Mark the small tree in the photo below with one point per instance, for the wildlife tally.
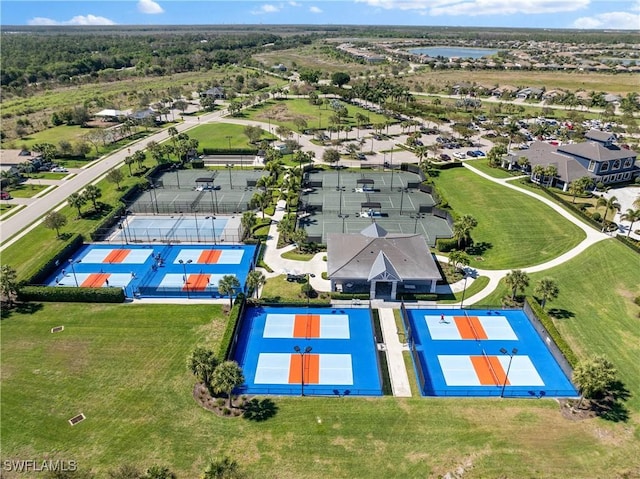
(517, 280)
(115, 176)
(594, 376)
(255, 279)
(227, 376)
(248, 222)
(8, 283)
(547, 289)
(222, 468)
(77, 201)
(129, 160)
(159, 472)
(228, 285)
(202, 363)
(331, 155)
(54, 221)
(92, 193)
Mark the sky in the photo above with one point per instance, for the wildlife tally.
(574, 14)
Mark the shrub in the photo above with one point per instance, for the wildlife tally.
(596, 216)
(229, 332)
(445, 245)
(51, 264)
(71, 295)
(547, 322)
(418, 296)
(197, 164)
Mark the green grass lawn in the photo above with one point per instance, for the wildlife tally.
(595, 307)
(26, 190)
(517, 229)
(47, 175)
(54, 135)
(140, 411)
(215, 135)
(483, 165)
(283, 112)
(478, 285)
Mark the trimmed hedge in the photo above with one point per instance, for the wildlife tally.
(50, 266)
(547, 322)
(101, 230)
(290, 302)
(418, 296)
(347, 296)
(445, 245)
(230, 330)
(634, 245)
(71, 295)
(227, 151)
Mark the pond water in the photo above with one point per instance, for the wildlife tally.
(454, 52)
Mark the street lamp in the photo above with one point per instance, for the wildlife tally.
(343, 218)
(228, 137)
(213, 228)
(184, 269)
(302, 353)
(195, 215)
(402, 191)
(341, 189)
(514, 351)
(73, 270)
(417, 216)
(229, 167)
(214, 205)
(391, 166)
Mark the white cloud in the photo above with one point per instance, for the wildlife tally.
(149, 7)
(77, 20)
(295, 4)
(267, 8)
(480, 7)
(635, 7)
(611, 20)
(315, 10)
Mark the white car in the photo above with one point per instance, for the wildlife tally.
(459, 155)
(59, 169)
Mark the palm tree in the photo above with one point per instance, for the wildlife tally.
(248, 221)
(128, 160)
(537, 173)
(632, 216)
(228, 285)
(202, 363)
(547, 288)
(462, 228)
(551, 171)
(458, 258)
(227, 376)
(255, 280)
(610, 203)
(77, 200)
(92, 193)
(516, 280)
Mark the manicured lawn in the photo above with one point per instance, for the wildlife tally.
(596, 309)
(215, 135)
(283, 112)
(140, 411)
(55, 134)
(483, 165)
(478, 285)
(517, 230)
(46, 175)
(26, 191)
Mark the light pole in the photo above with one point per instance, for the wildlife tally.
(229, 167)
(177, 177)
(341, 189)
(391, 166)
(344, 217)
(214, 205)
(228, 137)
(464, 290)
(402, 192)
(302, 353)
(417, 216)
(184, 269)
(73, 270)
(513, 352)
(195, 215)
(213, 228)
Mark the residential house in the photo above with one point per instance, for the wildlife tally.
(217, 93)
(380, 263)
(530, 92)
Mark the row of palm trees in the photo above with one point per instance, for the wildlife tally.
(546, 289)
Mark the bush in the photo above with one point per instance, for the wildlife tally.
(547, 322)
(347, 296)
(446, 245)
(101, 230)
(596, 216)
(418, 296)
(197, 164)
(71, 295)
(48, 268)
(230, 330)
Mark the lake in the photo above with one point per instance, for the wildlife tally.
(454, 52)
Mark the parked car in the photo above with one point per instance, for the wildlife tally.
(59, 169)
(471, 154)
(445, 157)
(459, 155)
(361, 156)
(479, 153)
(5, 196)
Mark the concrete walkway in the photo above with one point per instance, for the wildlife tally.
(395, 361)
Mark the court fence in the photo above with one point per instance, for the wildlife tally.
(309, 390)
(377, 340)
(406, 321)
(497, 392)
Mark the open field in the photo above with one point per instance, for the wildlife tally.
(25, 190)
(595, 307)
(283, 112)
(139, 410)
(516, 230)
(620, 84)
(214, 135)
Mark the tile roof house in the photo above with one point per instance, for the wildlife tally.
(598, 158)
(216, 93)
(380, 263)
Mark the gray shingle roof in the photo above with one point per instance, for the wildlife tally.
(406, 257)
(599, 135)
(595, 151)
